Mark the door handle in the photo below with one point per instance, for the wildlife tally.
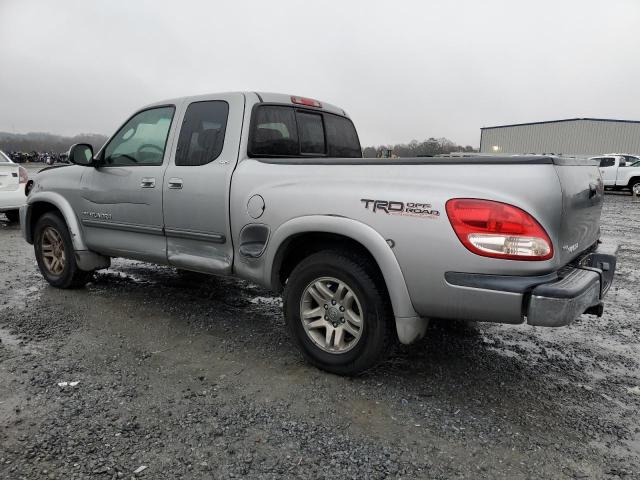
(148, 182)
(175, 183)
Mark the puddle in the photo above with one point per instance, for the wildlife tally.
(7, 338)
(19, 297)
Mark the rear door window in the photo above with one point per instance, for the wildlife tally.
(607, 162)
(202, 134)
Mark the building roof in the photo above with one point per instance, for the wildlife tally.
(563, 120)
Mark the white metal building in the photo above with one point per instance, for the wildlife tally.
(573, 136)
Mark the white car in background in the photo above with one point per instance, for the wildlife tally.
(13, 179)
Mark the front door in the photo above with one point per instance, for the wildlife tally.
(196, 185)
(122, 198)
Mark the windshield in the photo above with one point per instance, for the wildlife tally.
(4, 158)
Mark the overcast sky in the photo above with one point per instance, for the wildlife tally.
(402, 69)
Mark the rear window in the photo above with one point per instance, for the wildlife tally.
(283, 131)
(342, 137)
(311, 133)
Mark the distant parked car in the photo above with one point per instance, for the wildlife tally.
(13, 179)
(617, 174)
(626, 160)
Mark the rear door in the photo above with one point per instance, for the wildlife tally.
(608, 170)
(196, 184)
(121, 211)
(9, 175)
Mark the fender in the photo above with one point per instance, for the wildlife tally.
(409, 325)
(65, 209)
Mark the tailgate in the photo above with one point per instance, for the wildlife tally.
(582, 198)
(9, 177)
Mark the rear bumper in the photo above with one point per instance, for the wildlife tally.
(550, 300)
(581, 289)
(13, 199)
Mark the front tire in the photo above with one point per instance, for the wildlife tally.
(338, 313)
(55, 254)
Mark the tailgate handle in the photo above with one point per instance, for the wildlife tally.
(593, 190)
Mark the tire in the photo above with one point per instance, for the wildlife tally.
(51, 236)
(375, 336)
(634, 186)
(13, 216)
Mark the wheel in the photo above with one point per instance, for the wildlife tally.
(55, 255)
(338, 313)
(13, 216)
(635, 188)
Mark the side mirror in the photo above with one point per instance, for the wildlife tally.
(81, 154)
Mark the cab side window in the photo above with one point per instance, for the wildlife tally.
(275, 132)
(607, 162)
(142, 140)
(284, 131)
(202, 134)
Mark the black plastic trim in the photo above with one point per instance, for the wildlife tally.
(522, 160)
(193, 235)
(573, 285)
(504, 283)
(125, 227)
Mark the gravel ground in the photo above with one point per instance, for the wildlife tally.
(196, 378)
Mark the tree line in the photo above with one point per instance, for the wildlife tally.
(429, 147)
(46, 142)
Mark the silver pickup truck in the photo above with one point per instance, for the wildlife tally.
(273, 189)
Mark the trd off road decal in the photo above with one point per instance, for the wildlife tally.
(411, 209)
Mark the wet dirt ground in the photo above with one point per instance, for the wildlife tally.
(196, 378)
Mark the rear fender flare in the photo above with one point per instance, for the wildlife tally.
(358, 231)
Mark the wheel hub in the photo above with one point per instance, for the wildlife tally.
(334, 315)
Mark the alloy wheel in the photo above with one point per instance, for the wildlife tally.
(52, 248)
(332, 315)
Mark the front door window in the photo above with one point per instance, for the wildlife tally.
(142, 140)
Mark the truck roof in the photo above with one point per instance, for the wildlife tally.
(262, 97)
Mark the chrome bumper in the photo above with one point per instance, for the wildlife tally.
(581, 289)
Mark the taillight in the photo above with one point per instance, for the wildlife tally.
(498, 230)
(24, 176)
(309, 102)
